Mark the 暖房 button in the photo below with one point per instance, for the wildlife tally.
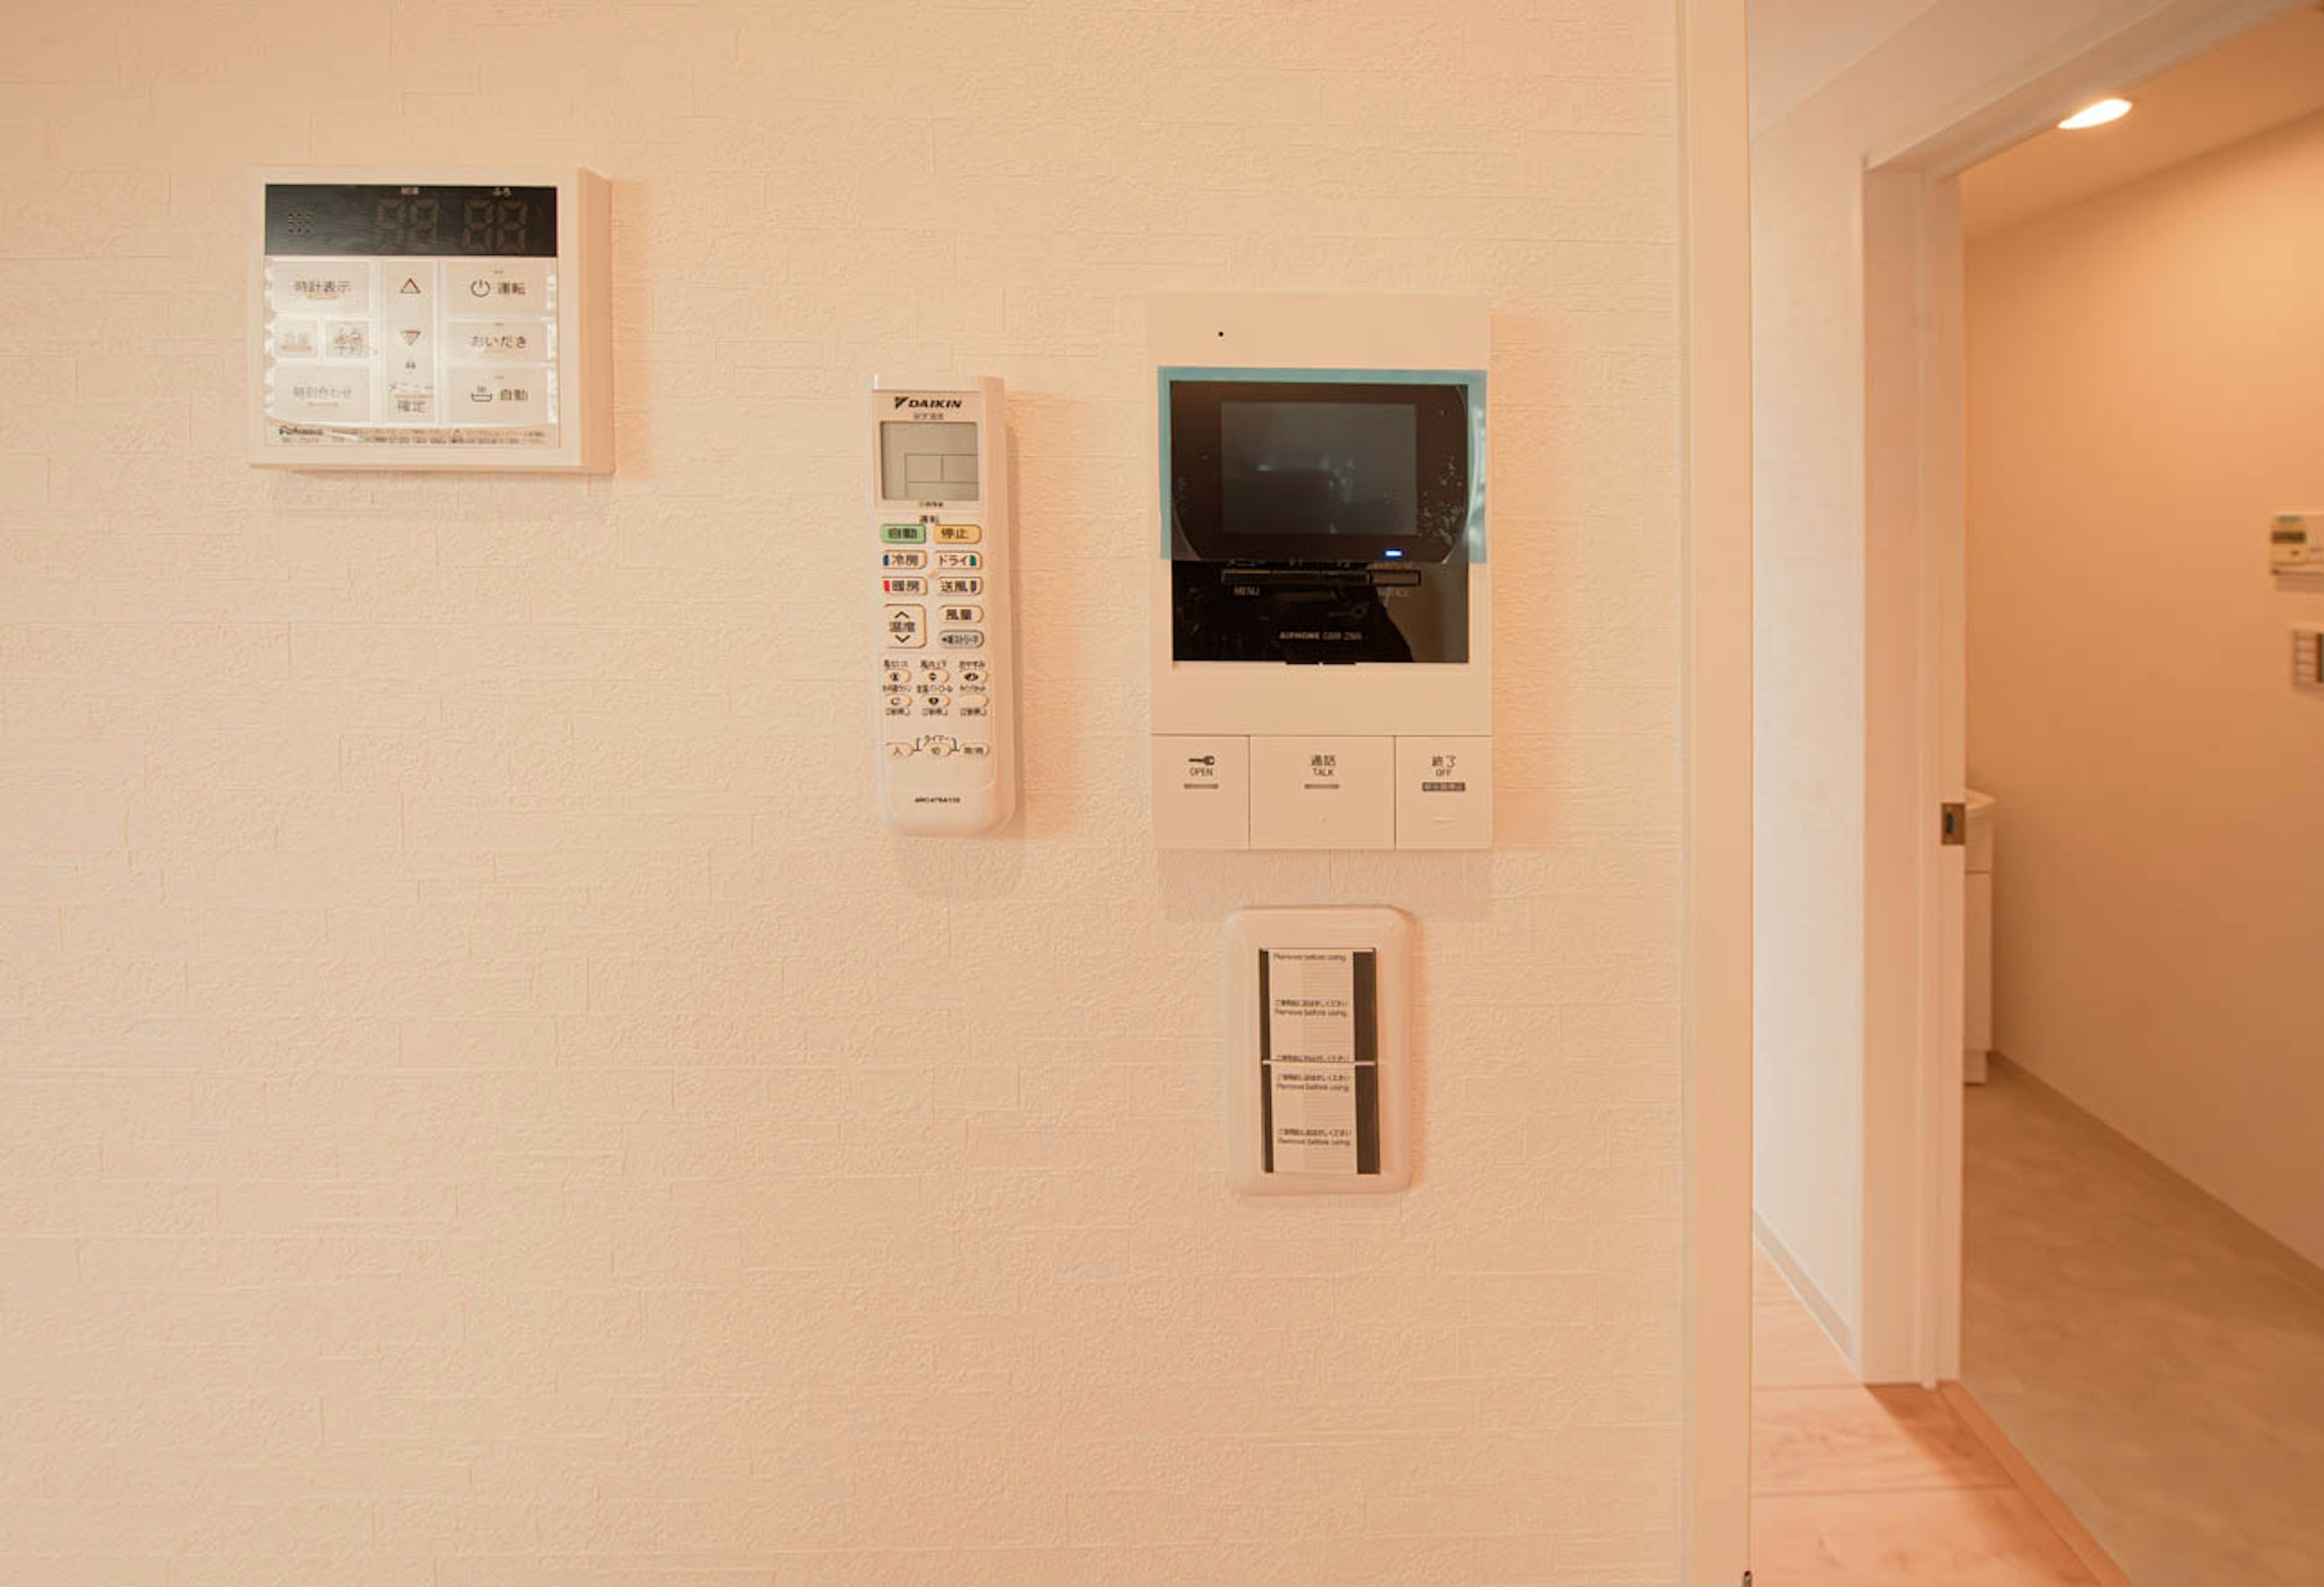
(961, 638)
(959, 533)
(904, 535)
(906, 627)
(903, 586)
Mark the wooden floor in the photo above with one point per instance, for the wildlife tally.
(1890, 1486)
(2158, 1357)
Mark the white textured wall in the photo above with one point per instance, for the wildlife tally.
(2146, 389)
(480, 1103)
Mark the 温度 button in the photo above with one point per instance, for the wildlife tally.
(906, 627)
(959, 533)
(958, 560)
(959, 586)
(961, 638)
(904, 535)
(900, 559)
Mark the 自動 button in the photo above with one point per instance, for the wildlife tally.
(906, 627)
(961, 638)
(959, 533)
(904, 534)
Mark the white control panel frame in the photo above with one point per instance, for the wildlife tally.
(1269, 755)
(1318, 1051)
(943, 629)
(409, 365)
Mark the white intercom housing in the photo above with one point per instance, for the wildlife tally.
(405, 318)
(940, 539)
(1320, 606)
(1318, 1051)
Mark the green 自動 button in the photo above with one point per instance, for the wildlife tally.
(903, 534)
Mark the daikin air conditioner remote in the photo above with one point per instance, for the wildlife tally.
(940, 531)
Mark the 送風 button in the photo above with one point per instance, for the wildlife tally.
(904, 535)
(959, 586)
(961, 638)
(906, 627)
(959, 533)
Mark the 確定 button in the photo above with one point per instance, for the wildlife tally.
(961, 638)
(959, 533)
(906, 627)
(904, 534)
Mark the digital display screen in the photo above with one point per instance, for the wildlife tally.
(391, 218)
(1319, 468)
(928, 460)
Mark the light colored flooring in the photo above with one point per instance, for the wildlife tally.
(2157, 1358)
(1889, 1487)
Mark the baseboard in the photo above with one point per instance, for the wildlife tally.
(2042, 1497)
(1819, 1305)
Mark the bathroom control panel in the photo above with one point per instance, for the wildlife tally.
(939, 541)
(406, 320)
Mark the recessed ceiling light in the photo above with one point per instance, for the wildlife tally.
(2096, 115)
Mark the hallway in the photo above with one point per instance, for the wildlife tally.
(2158, 1357)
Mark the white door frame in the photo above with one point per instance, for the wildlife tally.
(1915, 459)
(1715, 824)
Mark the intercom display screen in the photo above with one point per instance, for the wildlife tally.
(923, 460)
(1332, 468)
(411, 220)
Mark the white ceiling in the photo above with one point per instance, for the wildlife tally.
(2256, 80)
(1797, 46)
